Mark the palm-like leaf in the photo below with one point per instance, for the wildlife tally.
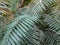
(51, 38)
(21, 30)
(39, 6)
(53, 23)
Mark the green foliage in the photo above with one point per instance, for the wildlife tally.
(26, 2)
(37, 25)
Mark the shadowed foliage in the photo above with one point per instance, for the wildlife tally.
(29, 22)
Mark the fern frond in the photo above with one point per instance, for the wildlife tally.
(22, 30)
(18, 31)
(53, 23)
(43, 6)
(51, 38)
(39, 7)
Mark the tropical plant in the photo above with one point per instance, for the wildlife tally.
(29, 22)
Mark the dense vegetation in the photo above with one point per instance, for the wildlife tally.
(29, 22)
